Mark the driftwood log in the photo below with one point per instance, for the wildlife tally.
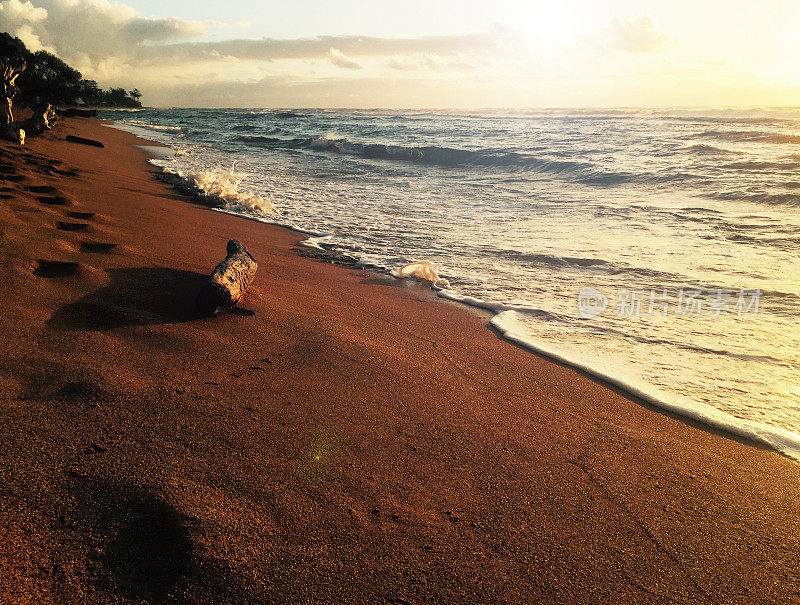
(43, 118)
(229, 280)
(10, 68)
(83, 141)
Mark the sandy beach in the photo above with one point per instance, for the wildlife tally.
(342, 437)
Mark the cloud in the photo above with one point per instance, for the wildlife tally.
(340, 59)
(162, 30)
(16, 12)
(88, 32)
(28, 36)
(640, 35)
(113, 44)
(432, 62)
(269, 49)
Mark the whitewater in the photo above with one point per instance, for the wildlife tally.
(654, 249)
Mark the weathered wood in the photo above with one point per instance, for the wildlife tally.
(229, 280)
(10, 68)
(43, 118)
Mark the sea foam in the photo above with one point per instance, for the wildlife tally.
(784, 441)
(224, 186)
(424, 270)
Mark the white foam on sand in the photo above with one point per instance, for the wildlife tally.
(424, 270)
(507, 323)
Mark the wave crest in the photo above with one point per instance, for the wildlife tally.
(225, 187)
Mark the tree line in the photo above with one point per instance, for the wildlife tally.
(47, 79)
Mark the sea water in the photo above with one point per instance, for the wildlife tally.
(656, 249)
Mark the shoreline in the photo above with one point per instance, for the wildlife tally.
(783, 441)
(343, 440)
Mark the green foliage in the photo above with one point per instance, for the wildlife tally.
(12, 48)
(90, 93)
(48, 79)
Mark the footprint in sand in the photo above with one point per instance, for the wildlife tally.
(41, 189)
(55, 268)
(83, 216)
(24, 209)
(97, 247)
(67, 172)
(95, 448)
(53, 200)
(65, 226)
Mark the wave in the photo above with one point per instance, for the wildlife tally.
(756, 166)
(559, 260)
(781, 440)
(701, 149)
(429, 154)
(588, 264)
(223, 187)
(748, 136)
(150, 126)
(791, 244)
(448, 157)
(782, 199)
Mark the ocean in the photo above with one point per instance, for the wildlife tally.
(658, 250)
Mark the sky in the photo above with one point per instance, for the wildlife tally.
(426, 54)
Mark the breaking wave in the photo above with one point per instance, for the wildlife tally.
(158, 127)
(224, 187)
(429, 154)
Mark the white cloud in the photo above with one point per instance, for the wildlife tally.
(89, 31)
(28, 36)
(320, 46)
(340, 59)
(639, 35)
(433, 62)
(14, 12)
(163, 30)
(114, 45)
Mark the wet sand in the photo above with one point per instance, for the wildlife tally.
(340, 438)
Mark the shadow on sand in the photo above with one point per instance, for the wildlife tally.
(135, 296)
(143, 545)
